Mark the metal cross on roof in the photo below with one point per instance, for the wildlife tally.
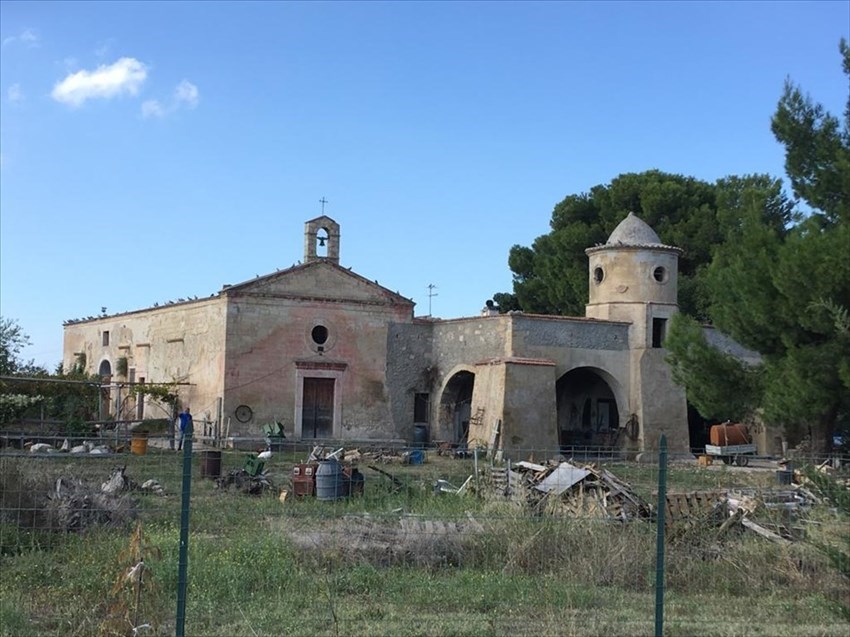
(323, 201)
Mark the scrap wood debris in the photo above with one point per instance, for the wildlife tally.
(564, 487)
(351, 456)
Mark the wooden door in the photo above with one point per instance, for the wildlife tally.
(317, 411)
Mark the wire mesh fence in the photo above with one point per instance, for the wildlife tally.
(379, 540)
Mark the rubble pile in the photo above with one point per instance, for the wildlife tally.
(566, 489)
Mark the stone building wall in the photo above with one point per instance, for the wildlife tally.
(410, 370)
(178, 343)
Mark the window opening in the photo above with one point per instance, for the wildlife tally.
(659, 331)
(319, 334)
(420, 407)
(598, 275)
(105, 338)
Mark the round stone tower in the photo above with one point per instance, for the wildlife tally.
(634, 278)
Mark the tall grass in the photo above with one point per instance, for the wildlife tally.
(410, 563)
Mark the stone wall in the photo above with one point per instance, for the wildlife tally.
(178, 343)
(410, 370)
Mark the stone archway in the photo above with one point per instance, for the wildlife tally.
(588, 413)
(456, 406)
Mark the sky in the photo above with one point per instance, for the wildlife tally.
(155, 151)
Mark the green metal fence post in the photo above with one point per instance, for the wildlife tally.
(659, 548)
(184, 531)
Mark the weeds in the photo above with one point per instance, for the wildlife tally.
(408, 563)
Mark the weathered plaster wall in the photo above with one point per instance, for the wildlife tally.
(267, 336)
(661, 404)
(578, 343)
(529, 418)
(628, 276)
(182, 342)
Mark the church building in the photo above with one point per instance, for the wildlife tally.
(336, 357)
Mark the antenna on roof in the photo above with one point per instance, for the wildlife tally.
(431, 294)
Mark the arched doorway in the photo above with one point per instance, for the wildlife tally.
(456, 406)
(588, 415)
(105, 373)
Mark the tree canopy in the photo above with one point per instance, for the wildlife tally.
(13, 340)
(551, 277)
(786, 293)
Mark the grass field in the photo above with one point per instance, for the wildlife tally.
(402, 563)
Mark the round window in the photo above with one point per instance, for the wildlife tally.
(598, 275)
(660, 274)
(319, 335)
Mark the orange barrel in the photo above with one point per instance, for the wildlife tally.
(139, 446)
(727, 434)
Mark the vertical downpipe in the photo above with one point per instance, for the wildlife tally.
(659, 549)
(184, 531)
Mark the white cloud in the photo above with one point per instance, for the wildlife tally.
(15, 94)
(187, 93)
(152, 108)
(124, 76)
(27, 37)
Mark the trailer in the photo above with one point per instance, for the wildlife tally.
(732, 454)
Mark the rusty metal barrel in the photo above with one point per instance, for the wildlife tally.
(728, 434)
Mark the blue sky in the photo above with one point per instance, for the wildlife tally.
(152, 151)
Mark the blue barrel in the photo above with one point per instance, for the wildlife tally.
(330, 481)
(420, 435)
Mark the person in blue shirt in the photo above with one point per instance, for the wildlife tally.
(185, 417)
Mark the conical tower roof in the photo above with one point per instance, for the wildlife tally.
(633, 232)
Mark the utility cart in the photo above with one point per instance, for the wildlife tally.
(732, 454)
(731, 443)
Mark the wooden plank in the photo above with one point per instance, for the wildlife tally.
(770, 535)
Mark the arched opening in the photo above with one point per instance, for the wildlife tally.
(322, 239)
(456, 406)
(105, 373)
(587, 410)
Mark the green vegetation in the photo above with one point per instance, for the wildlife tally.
(261, 567)
(550, 276)
(784, 293)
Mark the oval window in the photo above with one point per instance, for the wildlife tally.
(319, 334)
(660, 274)
(598, 275)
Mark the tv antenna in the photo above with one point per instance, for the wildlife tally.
(431, 294)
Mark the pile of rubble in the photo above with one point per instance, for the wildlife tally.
(374, 456)
(567, 489)
(71, 504)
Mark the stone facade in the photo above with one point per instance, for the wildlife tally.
(335, 356)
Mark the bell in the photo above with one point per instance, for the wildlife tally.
(321, 242)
